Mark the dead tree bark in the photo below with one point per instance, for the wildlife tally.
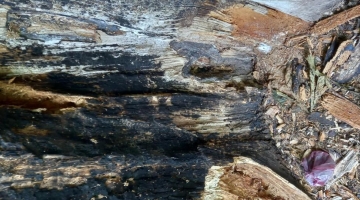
(125, 99)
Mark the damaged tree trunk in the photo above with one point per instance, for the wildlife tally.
(138, 100)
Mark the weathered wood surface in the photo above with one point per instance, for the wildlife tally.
(129, 99)
(244, 179)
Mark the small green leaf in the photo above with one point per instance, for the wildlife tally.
(280, 97)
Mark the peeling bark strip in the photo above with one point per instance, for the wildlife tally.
(332, 22)
(342, 109)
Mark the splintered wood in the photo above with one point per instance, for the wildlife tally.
(342, 109)
(347, 164)
(26, 97)
(246, 178)
(330, 23)
(260, 22)
(342, 54)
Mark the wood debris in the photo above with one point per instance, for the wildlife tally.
(342, 54)
(347, 164)
(342, 109)
(246, 178)
(306, 131)
(332, 22)
(272, 111)
(346, 193)
(260, 22)
(350, 69)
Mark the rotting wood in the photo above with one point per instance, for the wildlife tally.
(260, 22)
(246, 178)
(171, 93)
(26, 97)
(159, 94)
(350, 69)
(344, 51)
(332, 22)
(342, 109)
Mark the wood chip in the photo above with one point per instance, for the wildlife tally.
(280, 127)
(342, 109)
(341, 56)
(294, 141)
(312, 142)
(279, 119)
(320, 194)
(346, 193)
(11, 80)
(322, 136)
(347, 164)
(303, 95)
(352, 174)
(334, 155)
(272, 111)
(332, 22)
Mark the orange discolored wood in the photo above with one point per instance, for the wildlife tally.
(261, 23)
(332, 22)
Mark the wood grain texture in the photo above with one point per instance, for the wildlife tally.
(332, 22)
(342, 109)
(169, 93)
(246, 178)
